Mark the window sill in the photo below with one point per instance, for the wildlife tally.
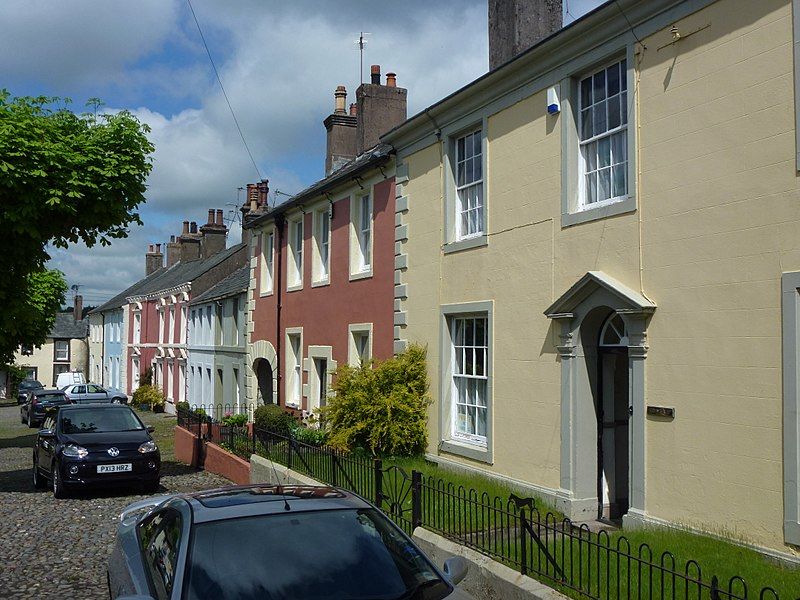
(474, 242)
(467, 450)
(265, 294)
(295, 288)
(294, 405)
(321, 283)
(600, 212)
(361, 275)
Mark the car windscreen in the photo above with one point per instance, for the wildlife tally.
(344, 554)
(99, 420)
(30, 385)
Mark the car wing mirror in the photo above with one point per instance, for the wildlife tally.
(47, 432)
(455, 569)
(150, 429)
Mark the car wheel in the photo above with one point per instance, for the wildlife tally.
(21, 418)
(116, 401)
(39, 482)
(151, 487)
(58, 485)
(31, 423)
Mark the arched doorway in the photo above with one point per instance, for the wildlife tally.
(613, 408)
(263, 371)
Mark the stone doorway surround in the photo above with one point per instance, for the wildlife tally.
(577, 496)
(260, 349)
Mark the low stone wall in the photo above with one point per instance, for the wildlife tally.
(263, 470)
(486, 578)
(230, 466)
(187, 447)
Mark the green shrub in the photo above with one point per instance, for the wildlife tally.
(383, 408)
(146, 378)
(234, 420)
(274, 418)
(15, 376)
(182, 406)
(150, 395)
(310, 436)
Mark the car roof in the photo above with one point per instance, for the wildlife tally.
(94, 405)
(46, 392)
(265, 499)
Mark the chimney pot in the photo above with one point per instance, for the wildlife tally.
(391, 80)
(263, 192)
(158, 248)
(219, 220)
(185, 228)
(172, 239)
(375, 71)
(193, 227)
(150, 248)
(340, 96)
(210, 216)
(353, 109)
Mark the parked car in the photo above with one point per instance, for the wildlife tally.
(39, 401)
(88, 445)
(93, 393)
(282, 542)
(69, 378)
(25, 386)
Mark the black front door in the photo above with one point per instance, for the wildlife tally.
(613, 416)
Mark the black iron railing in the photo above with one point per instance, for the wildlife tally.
(570, 557)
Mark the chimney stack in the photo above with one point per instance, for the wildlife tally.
(173, 251)
(380, 108)
(153, 260)
(263, 193)
(77, 309)
(516, 25)
(341, 128)
(212, 239)
(189, 242)
(218, 219)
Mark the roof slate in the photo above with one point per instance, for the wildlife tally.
(66, 327)
(234, 284)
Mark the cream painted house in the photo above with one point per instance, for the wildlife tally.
(601, 251)
(65, 349)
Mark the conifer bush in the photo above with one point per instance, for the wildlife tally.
(273, 418)
(381, 407)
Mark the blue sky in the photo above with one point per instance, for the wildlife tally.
(279, 61)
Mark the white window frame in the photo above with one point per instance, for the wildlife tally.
(452, 440)
(58, 357)
(362, 235)
(161, 324)
(171, 326)
(574, 209)
(184, 324)
(267, 262)
(137, 327)
(462, 188)
(321, 269)
(356, 331)
(317, 353)
(181, 381)
(294, 367)
(295, 259)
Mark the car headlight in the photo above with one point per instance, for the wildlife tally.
(148, 447)
(73, 451)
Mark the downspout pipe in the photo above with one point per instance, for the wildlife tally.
(280, 222)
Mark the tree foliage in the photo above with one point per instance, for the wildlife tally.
(381, 407)
(64, 178)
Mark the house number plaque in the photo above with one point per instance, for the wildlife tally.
(661, 411)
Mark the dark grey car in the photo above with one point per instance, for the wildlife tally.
(277, 542)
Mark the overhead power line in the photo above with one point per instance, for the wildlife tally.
(222, 87)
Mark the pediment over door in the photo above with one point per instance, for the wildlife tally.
(591, 283)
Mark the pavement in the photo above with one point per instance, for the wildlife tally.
(58, 549)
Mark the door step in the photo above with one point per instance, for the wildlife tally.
(596, 526)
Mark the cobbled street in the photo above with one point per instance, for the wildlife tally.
(59, 548)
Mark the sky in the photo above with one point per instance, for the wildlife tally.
(279, 62)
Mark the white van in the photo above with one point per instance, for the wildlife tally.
(69, 378)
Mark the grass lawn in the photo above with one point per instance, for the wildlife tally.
(164, 435)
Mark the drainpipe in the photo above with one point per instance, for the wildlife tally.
(279, 223)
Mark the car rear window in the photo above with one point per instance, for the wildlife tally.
(99, 420)
(331, 554)
(51, 397)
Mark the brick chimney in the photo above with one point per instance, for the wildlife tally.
(173, 251)
(189, 242)
(516, 25)
(213, 234)
(153, 260)
(380, 108)
(77, 309)
(342, 129)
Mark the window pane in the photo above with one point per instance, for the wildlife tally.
(623, 67)
(480, 332)
(614, 116)
(469, 332)
(461, 174)
(600, 123)
(462, 421)
(481, 421)
(468, 173)
(479, 361)
(613, 79)
(460, 150)
(591, 187)
(476, 143)
(469, 367)
(604, 184)
(624, 107)
(604, 152)
(478, 168)
(586, 124)
(458, 369)
(619, 177)
(459, 330)
(599, 86)
(619, 147)
(590, 156)
(586, 92)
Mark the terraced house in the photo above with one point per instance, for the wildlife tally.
(321, 287)
(598, 244)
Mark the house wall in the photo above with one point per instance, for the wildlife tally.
(95, 372)
(324, 313)
(713, 230)
(113, 343)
